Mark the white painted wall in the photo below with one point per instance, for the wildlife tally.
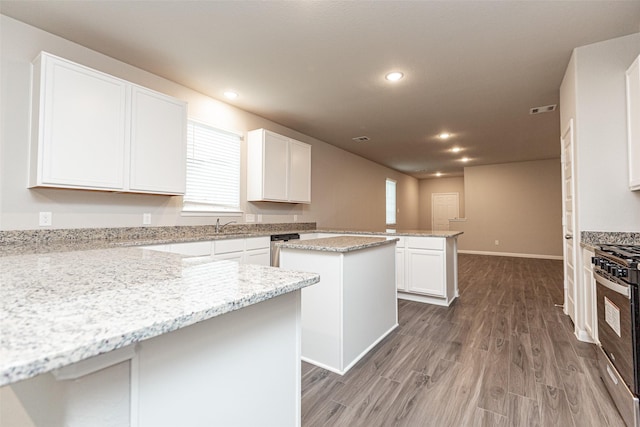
(347, 190)
(593, 94)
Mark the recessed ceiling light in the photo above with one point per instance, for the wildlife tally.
(231, 94)
(438, 173)
(444, 135)
(456, 149)
(465, 159)
(394, 76)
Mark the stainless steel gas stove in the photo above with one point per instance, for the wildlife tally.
(617, 279)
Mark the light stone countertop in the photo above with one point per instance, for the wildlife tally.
(396, 232)
(337, 244)
(63, 307)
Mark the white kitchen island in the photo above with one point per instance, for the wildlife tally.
(355, 304)
(133, 337)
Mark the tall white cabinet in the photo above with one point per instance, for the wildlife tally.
(633, 123)
(94, 131)
(278, 168)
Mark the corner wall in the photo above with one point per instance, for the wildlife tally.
(517, 204)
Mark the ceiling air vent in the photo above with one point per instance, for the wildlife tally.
(545, 109)
(361, 139)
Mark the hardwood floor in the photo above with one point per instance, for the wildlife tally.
(501, 355)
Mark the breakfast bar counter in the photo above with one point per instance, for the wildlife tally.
(130, 336)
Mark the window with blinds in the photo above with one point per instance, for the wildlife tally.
(391, 202)
(213, 169)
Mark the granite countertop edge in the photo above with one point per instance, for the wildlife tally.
(341, 244)
(25, 356)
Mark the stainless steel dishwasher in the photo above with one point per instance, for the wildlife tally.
(275, 250)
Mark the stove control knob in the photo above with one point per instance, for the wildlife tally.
(595, 260)
(622, 272)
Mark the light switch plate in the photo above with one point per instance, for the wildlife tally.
(250, 218)
(146, 219)
(259, 217)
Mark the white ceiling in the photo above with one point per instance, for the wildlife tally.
(472, 68)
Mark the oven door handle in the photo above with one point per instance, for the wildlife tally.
(623, 290)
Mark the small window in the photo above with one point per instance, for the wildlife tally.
(391, 202)
(213, 170)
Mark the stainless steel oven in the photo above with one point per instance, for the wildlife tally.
(616, 274)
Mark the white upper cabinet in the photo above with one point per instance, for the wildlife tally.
(94, 131)
(300, 172)
(158, 132)
(78, 128)
(633, 123)
(278, 168)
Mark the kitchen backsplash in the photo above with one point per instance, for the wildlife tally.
(12, 237)
(609, 237)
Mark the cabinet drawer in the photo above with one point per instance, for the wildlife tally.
(257, 243)
(228, 246)
(425, 243)
(191, 248)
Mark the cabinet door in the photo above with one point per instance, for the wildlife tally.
(258, 257)
(633, 123)
(231, 256)
(276, 154)
(158, 143)
(400, 270)
(425, 272)
(81, 126)
(299, 172)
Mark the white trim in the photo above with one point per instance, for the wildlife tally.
(510, 254)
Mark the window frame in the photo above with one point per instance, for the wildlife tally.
(395, 201)
(194, 208)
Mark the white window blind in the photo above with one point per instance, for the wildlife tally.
(213, 169)
(391, 202)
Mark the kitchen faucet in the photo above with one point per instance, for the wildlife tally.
(219, 227)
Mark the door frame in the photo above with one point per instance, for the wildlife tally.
(569, 135)
(442, 194)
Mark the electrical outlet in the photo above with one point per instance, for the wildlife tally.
(46, 219)
(146, 219)
(497, 242)
(295, 218)
(250, 218)
(259, 217)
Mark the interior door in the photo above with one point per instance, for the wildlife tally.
(444, 206)
(569, 222)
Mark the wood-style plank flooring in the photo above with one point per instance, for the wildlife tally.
(501, 355)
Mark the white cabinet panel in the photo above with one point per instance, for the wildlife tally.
(95, 131)
(158, 143)
(400, 269)
(633, 123)
(300, 172)
(276, 152)
(425, 271)
(590, 314)
(257, 243)
(278, 168)
(231, 256)
(227, 246)
(258, 257)
(79, 126)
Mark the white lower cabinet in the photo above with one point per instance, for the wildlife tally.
(590, 314)
(425, 271)
(252, 250)
(400, 265)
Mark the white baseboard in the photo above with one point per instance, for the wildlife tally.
(516, 255)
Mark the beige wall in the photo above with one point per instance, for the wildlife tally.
(438, 185)
(518, 204)
(347, 190)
